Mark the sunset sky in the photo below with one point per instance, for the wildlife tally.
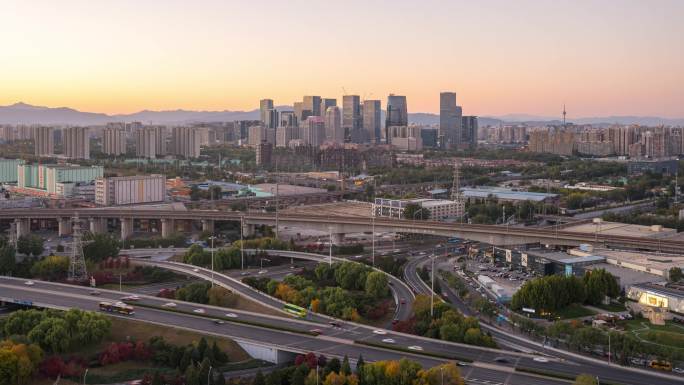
(603, 57)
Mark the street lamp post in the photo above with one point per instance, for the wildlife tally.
(212, 260)
(432, 287)
(373, 240)
(84, 376)
(209, 376)
(242, 249)
(330, 246)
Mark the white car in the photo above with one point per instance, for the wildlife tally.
(29, 283)
(263, 271)
(169, 304)
(678, 370)
(196, 270)
(416, 347)
(541, 359)
(130, 298)
(231, 315)
(389, 341)
(380, 332)
(199, 311)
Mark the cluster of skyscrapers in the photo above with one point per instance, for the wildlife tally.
(316, 120)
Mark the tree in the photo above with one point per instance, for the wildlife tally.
(676, 274)
(345, 368)
(195, 193)
(259, 379)
(157, 378)
(415, 211)
(8, 260)
(30, 245)
(585, 379)
(100, 246)
(51, 268)
(377, 285)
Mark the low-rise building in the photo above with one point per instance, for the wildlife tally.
(439, 209)
(44, 179)
(506, 195)
(130, 190)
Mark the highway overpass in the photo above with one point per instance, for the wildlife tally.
(277, 338)
(337, 225)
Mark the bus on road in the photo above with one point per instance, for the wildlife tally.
(118, 307)
(295, 310)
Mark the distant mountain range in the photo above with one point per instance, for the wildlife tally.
(22, 113)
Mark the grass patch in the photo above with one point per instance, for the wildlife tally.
(670, 334)
(614, 307)
(574, 311)
(406, 350)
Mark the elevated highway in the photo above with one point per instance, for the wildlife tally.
(340, 225)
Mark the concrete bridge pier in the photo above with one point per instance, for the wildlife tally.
(208, 225)
(248, 230)
(65, 227)
(23, 227)
(126, 228)
(97, 225)
(267, 353)
(167, 227)
(337, 238)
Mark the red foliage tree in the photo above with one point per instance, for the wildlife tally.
(52, 366)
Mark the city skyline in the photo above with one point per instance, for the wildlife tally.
(528, 57)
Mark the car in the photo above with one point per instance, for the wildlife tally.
(416, 347)
(218, 321)
(390, 283)
(502, 360)
(316, 331)
(388, 341)
(169, 304)
(95, 292)
(678, 370)
(245, 273)
(29, 283)
(334, 324)
(462, 363)
(293, 266)
(199, 311)
(541, 359)
(403, 301)
(130, 298)
(380, 332)
(395, 321)
(196, 270)
(263, 271)
(231, 315)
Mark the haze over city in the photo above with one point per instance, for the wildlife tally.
(600, 58)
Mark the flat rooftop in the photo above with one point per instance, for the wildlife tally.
(621, 229)
(662, 290)
(654, 263)
(628, 277)
(345, 208)
(287, 189)
(505, 194)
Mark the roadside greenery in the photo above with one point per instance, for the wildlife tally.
(446, 324)
(30, 245)
(553, 293)
(346, 290)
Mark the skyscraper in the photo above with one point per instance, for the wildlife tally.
(146, 143)
(113, 141)
(271, 120)
(313, 131)
(311, 106)
(325, 103)
(186, 142)
(264, 106)
(450, 121)
(76, 142)
(371, 120)
(397, 113)
(469, 131)
(298, 111)
(351, 114)
(333, 128)
(44, 140)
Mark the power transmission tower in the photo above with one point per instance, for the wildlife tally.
(456, 194)
(77, 264)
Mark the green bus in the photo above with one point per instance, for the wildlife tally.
(295, 310)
